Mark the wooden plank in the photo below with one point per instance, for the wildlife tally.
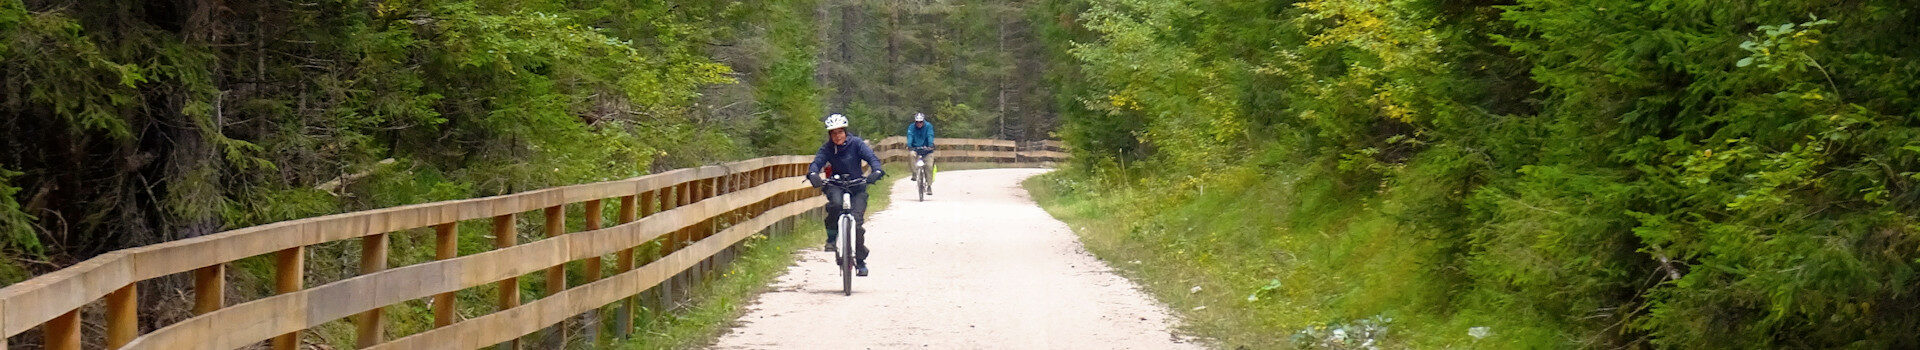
(39, 300)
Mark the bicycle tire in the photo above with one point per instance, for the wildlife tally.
(847, 254)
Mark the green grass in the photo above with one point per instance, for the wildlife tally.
(1278, 262)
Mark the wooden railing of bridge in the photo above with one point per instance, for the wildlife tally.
(692, 215)
(893, 149)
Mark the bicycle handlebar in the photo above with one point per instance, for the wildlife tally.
(844, 181)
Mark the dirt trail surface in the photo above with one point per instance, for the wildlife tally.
(976, 266)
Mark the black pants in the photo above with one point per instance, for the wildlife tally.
(859, 220)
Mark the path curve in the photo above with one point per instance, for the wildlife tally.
(976, 266)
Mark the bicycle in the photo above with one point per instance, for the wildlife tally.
(845, 256)
(922, 175)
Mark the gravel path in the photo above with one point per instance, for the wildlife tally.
(976, 266)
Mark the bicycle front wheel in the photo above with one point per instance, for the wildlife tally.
(847, 254)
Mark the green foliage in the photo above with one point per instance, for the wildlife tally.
(1686, 174)
(883, 61)
(16, 226)
(246, 114)
(961, 121)
(60, 68)
(133, 122)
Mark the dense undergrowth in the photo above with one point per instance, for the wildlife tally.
(1601, 174)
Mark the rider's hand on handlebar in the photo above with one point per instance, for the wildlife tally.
(842, 181)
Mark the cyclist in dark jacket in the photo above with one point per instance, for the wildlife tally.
(842, 155)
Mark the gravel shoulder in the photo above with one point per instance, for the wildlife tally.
(976, 266)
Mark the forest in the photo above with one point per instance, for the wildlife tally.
(132, 122)
(1526, 173)
(1412, 173)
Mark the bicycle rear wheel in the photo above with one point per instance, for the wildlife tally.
(847, 254)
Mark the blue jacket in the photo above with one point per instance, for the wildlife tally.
(919, 136)
(845, 159)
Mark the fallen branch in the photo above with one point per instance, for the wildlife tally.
(333, 186)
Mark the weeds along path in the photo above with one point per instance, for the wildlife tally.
(976, 266)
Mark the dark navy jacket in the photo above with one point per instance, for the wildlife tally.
(845, 158)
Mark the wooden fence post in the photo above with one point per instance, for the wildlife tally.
(650, 203)
(63, 332)
(123, 315)
(504, 236)
(209, 288)
(373, 258)
(557, 275)
(594, 211)
(446, 245)
(590, 320)
(289, 273)
(684, 194)
(629, 208)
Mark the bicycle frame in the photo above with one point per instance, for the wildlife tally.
(847, 253)
(846, 256)
(921, 177)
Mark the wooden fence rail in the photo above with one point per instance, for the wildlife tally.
(693, 216)
(893, 149)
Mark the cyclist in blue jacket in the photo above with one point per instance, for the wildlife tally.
(841, 155)
(920, 140)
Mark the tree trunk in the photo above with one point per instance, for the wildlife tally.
(823, 63)
(1000, 19)
(893, 58)
(843, 84)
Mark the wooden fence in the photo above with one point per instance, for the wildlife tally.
(893, 149)
(692, 215)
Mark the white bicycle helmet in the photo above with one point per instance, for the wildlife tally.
(836, 121)
(919, 117)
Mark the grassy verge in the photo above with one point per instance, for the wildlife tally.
(717, 306)
(1254, 261)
